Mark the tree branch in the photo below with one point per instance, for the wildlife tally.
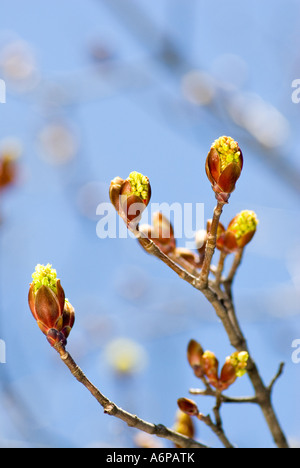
(113, 410)
(226, 313)
(276, 377)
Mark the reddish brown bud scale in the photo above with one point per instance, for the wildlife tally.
(228, 376)
(194, 356)
(211, 366)
(68, 319)
(188, 406)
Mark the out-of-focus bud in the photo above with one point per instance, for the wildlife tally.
(55, 316)
(8, 171)
(130, 197)
(239, 232)
(211, 366)
(194, 355)
(161, 233)
(188, 406)
(184, 424)
(188, 256)
(224, 164)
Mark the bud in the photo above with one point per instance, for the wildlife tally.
(211, 365)
(54, 315)
(184, 424)
(188, 406)
(224, 164)
(161, 233)
(130, 197)
(7, 171)
(194, 355)
(228, 375)
(239, 232)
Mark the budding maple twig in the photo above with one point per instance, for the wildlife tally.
(224, 398)
(112, 409)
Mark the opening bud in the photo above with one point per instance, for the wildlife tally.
(239, 233)
(224, 165)
(54, 315)
(130, 197)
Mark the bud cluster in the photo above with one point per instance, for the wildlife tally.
(206, 365)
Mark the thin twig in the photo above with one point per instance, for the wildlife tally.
(236, 263)
(276, 377)
(113, 410)
(220, 268)
(216, 429)
(211, 244)
(224, 398)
